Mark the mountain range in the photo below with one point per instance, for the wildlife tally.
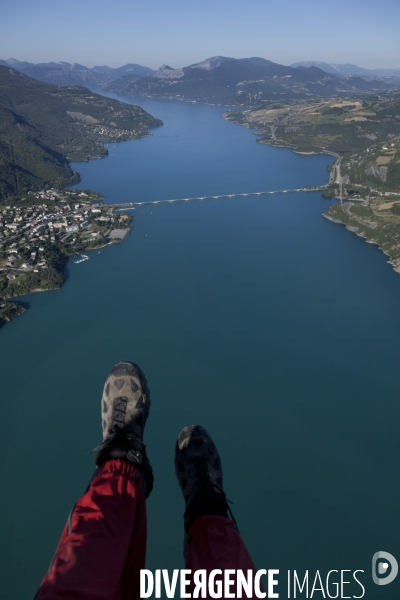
(244, 82)
(348, 70)
(64, 73)
(219, 80)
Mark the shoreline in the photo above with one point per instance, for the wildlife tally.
(394, 264)
(11, 308)
(358, 203)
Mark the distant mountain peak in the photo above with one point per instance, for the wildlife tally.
(16, 64)
(347, 69)
(210, 63)
(167, 72)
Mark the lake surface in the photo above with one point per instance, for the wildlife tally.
(256, 317)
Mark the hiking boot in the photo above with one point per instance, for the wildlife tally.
(124, 410)
(199, 473)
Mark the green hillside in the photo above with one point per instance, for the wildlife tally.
(43, 127)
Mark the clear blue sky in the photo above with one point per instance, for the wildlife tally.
(180, 32)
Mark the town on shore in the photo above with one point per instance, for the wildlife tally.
(40, 232)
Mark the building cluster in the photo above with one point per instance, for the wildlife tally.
(54, 217)
(116, 135)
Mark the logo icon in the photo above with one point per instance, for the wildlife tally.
(384, 564)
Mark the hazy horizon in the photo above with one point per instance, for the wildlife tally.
(180, 66)
(179, 33)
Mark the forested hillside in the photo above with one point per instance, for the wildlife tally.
(43, 127)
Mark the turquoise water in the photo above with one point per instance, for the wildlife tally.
(274, 328)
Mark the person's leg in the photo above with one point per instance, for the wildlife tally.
(103, 545)
(212, 539)
(213, 542)
(107, 521)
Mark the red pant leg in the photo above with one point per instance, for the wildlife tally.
(103, 545)
(213, 543)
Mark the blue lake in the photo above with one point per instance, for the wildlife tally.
(256, 317)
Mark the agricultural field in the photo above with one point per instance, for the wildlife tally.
(363, 132)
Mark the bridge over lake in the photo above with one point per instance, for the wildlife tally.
(130, 205)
